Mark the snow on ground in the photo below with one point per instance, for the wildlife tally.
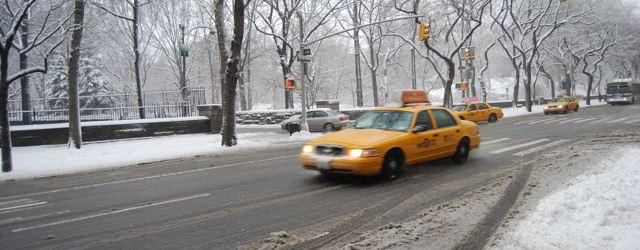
(50, 160)
(105, 123)
(598, 210)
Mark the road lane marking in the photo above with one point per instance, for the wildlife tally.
(543, 120)
(617, 120)
(583, 120)
(588, 119)
(519, 146)
(634, 121)
(561, 119)
(570, 120)
(22, 206)
(495, 141)
(601, 120)
(16, 205)
(147, 178)
(20, 219)
(109, 213)
(539, 148)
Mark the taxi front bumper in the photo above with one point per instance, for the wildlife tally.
(555, 109)
(342, 164)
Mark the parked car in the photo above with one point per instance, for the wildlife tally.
(319, 120)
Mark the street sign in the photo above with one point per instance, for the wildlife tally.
(184, 51)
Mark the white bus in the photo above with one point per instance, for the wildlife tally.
(623, 91)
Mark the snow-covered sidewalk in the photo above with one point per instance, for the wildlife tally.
(597, 210)
(41, 161)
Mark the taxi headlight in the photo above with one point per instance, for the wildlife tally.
(363, 153)
(307, 149)
(560, 106)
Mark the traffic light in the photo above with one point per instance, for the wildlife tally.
(467, 55)
(289, 84)
(423, 31)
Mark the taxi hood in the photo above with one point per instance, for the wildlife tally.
(356, 138)
(556, 103)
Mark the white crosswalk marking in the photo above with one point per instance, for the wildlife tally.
(543, 120)
(539, 148)
(617, 120)
(634, 121)
(584, 120)
(561, 119)
(518, 146)
(570, 120)
(601, 120)
(495, 141)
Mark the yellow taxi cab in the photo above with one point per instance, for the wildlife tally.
(478, 112)
(385, 139)
(562, 104)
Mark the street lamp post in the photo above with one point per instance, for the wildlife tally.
(183, 72)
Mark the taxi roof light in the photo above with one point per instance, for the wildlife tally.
(405, 98)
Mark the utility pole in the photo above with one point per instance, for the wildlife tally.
(303, 76)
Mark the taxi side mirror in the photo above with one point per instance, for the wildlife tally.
(419, 128)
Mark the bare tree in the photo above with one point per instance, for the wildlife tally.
(135, 25)
(75, 131)
(14, 13)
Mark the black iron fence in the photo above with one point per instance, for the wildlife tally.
(117, 106)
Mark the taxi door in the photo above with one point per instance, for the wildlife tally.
(447, 133)
(474, 115)
(422, 143)
(483, 111)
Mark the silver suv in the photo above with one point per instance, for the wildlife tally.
(319, 120)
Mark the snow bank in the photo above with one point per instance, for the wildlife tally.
(599, 210)
(41, 161)
(105, 123)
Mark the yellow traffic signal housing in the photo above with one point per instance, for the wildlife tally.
(423, 31)
(289, 84)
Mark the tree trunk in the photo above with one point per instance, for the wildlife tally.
(75, 130)
(5, 132)
(231, 77)
(527, 86)
(356, 48)
(136, 62)
(516, 87)
(211, 70)
(222, 49)
(24, 81)
(551, 82)
(374, 77)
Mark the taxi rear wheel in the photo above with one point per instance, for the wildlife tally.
(462, 153)
(392, 165)
(493, 117)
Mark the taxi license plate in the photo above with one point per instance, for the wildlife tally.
(323, 163)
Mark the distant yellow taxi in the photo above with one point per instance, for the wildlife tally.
(562, 104)
(385, 139)
(478, 112)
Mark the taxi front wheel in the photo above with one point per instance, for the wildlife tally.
(392, 165)
(462, 153)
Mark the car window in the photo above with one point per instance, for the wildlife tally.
(460, 107)
(472, 107)
(424, 119)
(443, 118)
(311, 114)
(332, 112)
(385, 120)
(483, 106)
(320, 114)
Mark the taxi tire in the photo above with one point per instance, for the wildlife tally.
(461, 117)
(393, 165)
(493, 117)
(462, 152)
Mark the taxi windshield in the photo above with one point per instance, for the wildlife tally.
(460, 107)
(562, 99)
(386, 120)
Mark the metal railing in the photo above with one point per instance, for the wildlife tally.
(117, 106)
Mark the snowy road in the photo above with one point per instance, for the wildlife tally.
(238, 199)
